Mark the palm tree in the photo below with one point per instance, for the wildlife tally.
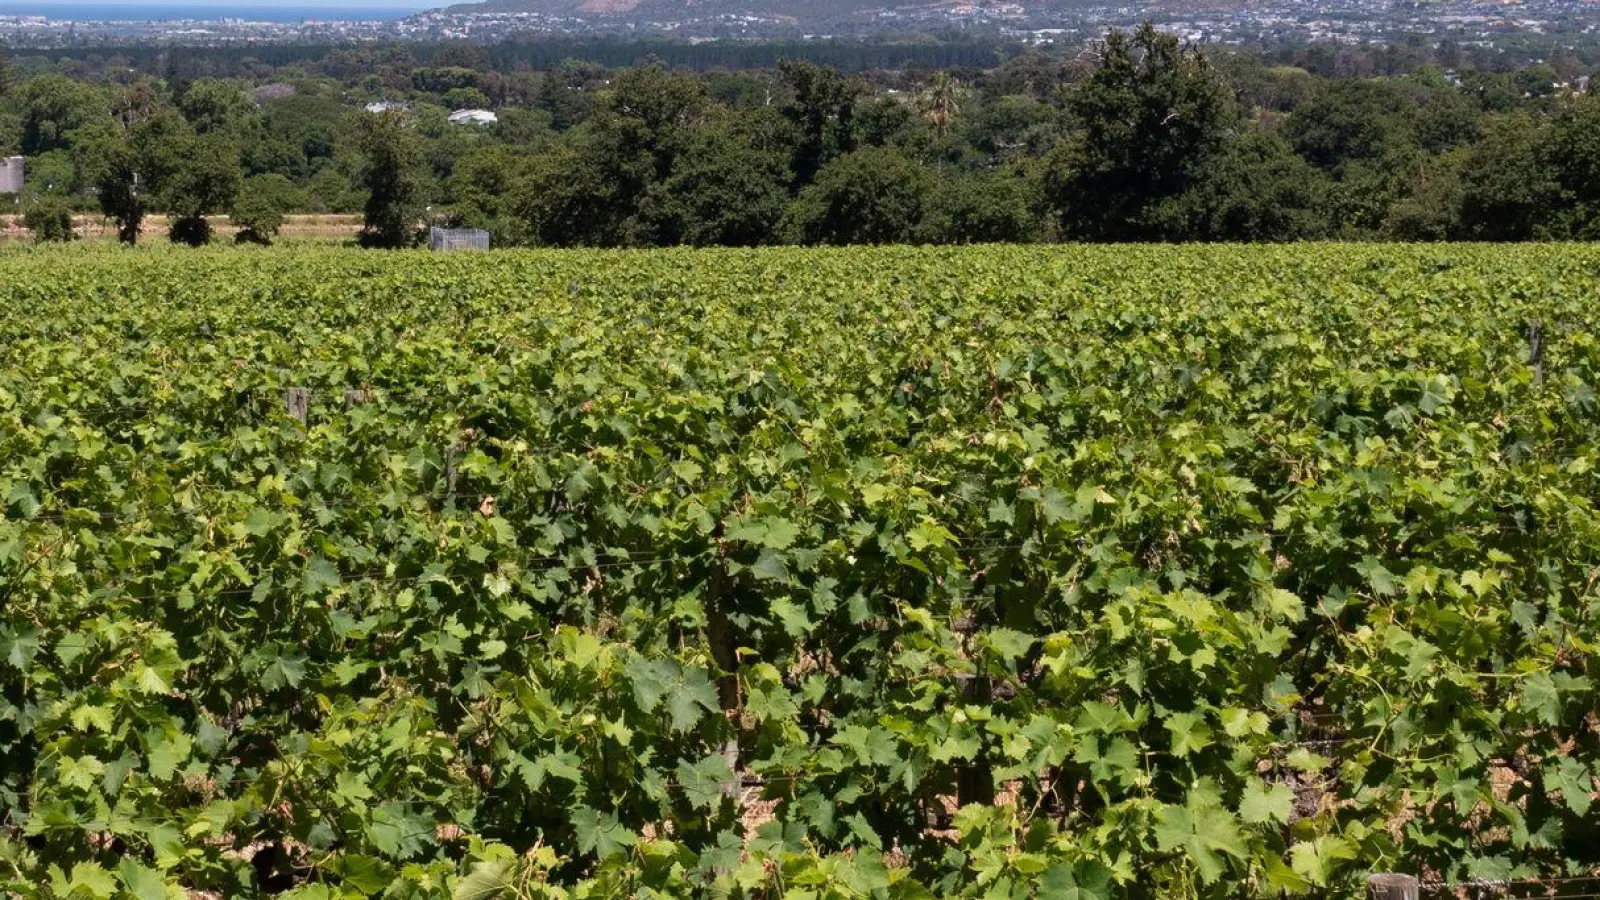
(941, 102)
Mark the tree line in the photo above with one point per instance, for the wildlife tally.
(1136, 138)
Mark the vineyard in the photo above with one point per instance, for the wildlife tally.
(897, 573)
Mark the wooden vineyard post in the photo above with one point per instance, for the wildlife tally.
(1536, 349)
(451, 457)
(355, 398)
(1393, 887)
(297, 401)
(975, 779)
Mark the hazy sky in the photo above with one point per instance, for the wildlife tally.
(223, 9)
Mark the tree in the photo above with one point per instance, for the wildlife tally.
(1572, 150)
(561, 93)
(206, 182)
(1447, 119)
(871, 196)
(52, 174)
(643, 128)
(147, 151)
(130, 157)
(483, 189)
(722, 191)
(940, 102)
(467, 98)
(595, 195)
(1509, 187)
(888, 122)
(1149, 117)
(109, 164)
(1254, 189)
(567, 201)
(822, 105)
(394, 201)
(53, 107)
(50, 221)
(980, 209)
(259, 210)
(443, 80)
(211, 105)
(1347, 121)
(1012, 128)
(1431, 210)
(300, 131)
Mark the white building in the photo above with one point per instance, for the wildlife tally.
(11, 175)
(473, 117)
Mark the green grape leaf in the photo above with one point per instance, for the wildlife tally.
(600, 833)
(1262, 803)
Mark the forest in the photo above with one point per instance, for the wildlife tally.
(1136, 138)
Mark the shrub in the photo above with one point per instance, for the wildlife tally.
(259, 216)
(50, 220)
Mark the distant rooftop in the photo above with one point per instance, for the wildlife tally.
(473, 117)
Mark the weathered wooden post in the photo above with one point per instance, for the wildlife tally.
(451, 457)
(975, 778)
(355, 398)
(1388, 886)
(298, 403)
(1536, 349)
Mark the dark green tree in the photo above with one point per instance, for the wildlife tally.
(871, 196)
(108, 163)
(1149, 119)
(129, 158)
(484, 188)
(258, 213)
(1013, 128)
(888, 122)
(980, 209)
(822, 106)
(206, 182)
(53, 107)
(561, 93)
(1572, 151)
(1347, 121)
(567, 201)
(1447, 119)
(391, 158)
(723, 190)
(212, 104)
(301, 130)
(1510, 189)
(50, 221)
(1254, 189)
(1431, 209)
(645, 124)
(628, 148)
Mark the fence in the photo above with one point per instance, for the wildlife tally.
(446, 240)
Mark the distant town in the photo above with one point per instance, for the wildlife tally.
(1481, 23)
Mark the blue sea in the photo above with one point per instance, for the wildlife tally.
(158, 12)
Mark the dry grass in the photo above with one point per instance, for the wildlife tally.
(95, 228)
